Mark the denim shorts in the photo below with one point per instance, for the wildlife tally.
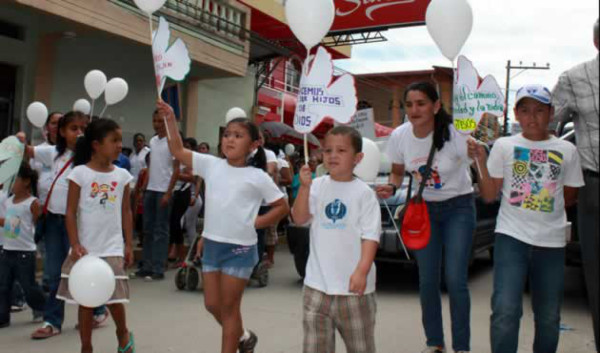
(231, 259)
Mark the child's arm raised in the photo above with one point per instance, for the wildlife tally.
(175, 143)
(127, 220)
(301, 210)
(77, 251)
(489, 187)
(279, 209)
(358, 280)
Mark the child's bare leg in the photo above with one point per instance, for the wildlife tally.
(212, 294)
(118, 314)
(86, 321)
(231, 317)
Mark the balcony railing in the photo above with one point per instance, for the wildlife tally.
(213, 17)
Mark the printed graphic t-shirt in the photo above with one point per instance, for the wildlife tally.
(233, 197)
(535, 174)
(18, 225)
(99, 215)
(343, 214)
(450, 175)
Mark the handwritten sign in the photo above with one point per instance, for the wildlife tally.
(322, 96)
(364, 122)
(174, 61)
(473, 97)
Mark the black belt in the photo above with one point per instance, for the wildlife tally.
(591, 173)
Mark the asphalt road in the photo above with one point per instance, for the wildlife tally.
(167, 320)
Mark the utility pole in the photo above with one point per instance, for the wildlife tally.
(509, 67)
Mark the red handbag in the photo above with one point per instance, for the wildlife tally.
(416, 228)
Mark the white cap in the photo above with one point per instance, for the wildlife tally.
(537, 92)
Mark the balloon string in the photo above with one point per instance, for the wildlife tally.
(92, 109)
(103, 110)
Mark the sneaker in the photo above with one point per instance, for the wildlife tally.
(434, 350)
(38, 316)
(17, 308)
(141, 274)
(158, 276)
(248, 345)
(100, 319)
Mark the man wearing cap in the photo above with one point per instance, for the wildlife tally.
(538, 175)
(576, 98)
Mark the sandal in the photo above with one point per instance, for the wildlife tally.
(129, 347)
(44, 332)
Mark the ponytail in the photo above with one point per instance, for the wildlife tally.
(443, 120)
(259, 159)
(83, 151)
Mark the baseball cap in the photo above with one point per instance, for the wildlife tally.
(537, 92)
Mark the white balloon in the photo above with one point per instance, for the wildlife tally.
(310, 20)
(95, 83)
(116, 90)
(290, 149)
(449, 23)
(149, 6)
(235, 113)
(368, 168)
(91, 281)
(37, 113)
(83, 106)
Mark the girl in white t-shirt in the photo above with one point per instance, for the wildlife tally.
(98, 218)
(235, 189)
(18, 258)
(451, 206)
(59, 159)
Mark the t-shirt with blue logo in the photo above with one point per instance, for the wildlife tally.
(343, 215)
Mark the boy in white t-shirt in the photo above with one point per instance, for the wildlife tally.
(539, 175)
(345, 230)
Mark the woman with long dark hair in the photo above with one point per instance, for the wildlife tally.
(449, 197)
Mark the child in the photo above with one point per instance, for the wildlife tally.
(345, 230)
(18, 258)
(59, 159)
(235, 189)
(539, 176)
(98, 215)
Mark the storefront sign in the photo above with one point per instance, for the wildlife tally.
(354, 15)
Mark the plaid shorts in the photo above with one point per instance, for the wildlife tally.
(352, 316)
(272, 237)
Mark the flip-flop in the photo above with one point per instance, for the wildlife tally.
(42, 333)
(129, 346)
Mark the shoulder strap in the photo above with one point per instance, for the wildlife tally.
(45, 210)
(425, 175)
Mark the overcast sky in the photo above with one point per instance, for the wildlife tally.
(542, 31)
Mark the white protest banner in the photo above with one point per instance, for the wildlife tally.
(473, 97)
(364, 122)
(174, 61)
(11, 155)
(321, 95)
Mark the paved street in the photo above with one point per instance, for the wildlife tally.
(166, 320)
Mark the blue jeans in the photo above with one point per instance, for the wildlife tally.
(513, 262)
(19, 266)
(156, 233)
(57, 250)
(452, 226)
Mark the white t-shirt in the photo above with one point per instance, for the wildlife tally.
(99, 215)
(18, 225)
(281, 164)
(233, 197)
(450, 175)
(271, 157)
(45, 176)
(138, 162)
(161, 165)
(46, 155)
(534, 173)
(343, 214)
(3, 197)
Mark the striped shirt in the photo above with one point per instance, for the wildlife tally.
(576, 98)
